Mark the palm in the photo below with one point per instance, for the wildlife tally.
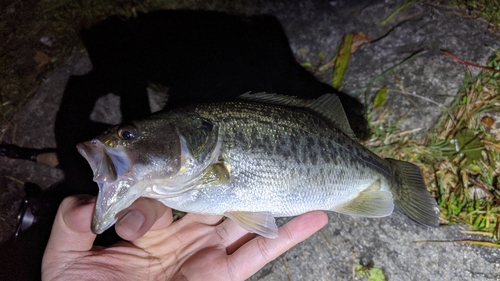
(195, 247)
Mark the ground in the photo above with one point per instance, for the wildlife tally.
(315, 29)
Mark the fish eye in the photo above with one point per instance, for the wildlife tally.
(127, 132)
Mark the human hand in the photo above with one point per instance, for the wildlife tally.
(193, 248)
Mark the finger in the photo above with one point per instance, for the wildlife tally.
(71, 228)
(185, 231)
(260, 251)
(230, 233)
(230, 249)
(145, 214)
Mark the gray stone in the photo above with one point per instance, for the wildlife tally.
(390, 243)
(318, 27)
(33, 125)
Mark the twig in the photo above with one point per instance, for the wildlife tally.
(492, 144)
(480, 185)
(404, 133)
(5, 131)
(398, 9)
(470, 232)
(436, 103)
(473, 242)
(14, 179)
(402, 89)
(286, 269)
(326, 238)
(353, 267)
(393, 68)
(469, 63)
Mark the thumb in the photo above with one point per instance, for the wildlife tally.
(71, 229)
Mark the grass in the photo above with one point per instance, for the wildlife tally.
(459, 157)
(488, 10)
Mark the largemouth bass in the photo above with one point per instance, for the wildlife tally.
(253, 159)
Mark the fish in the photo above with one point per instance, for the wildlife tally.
(253, 159)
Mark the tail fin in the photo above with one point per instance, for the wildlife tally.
(412, 198)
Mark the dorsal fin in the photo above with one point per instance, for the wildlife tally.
(275, 99)
(328, 106)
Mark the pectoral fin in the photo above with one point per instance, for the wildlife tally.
(260, 223)
(371, 202)
(214, 175)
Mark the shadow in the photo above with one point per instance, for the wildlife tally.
(200, 56)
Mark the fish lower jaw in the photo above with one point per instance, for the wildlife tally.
(99, 228)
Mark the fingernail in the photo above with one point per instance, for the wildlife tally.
(132, 220)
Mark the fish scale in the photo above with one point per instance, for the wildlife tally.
(258, 139)
(253, 159)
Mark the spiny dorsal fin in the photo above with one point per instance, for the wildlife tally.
(275, 99)
(328, 106)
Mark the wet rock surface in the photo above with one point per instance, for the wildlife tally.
(318, 27)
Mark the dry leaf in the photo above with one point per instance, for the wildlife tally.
(359, 39)
(487, 122)
(41, 58)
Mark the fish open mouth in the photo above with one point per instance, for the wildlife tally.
(113, 175)
(106, 163)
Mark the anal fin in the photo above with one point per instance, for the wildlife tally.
(371, 202)
(262, 223)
